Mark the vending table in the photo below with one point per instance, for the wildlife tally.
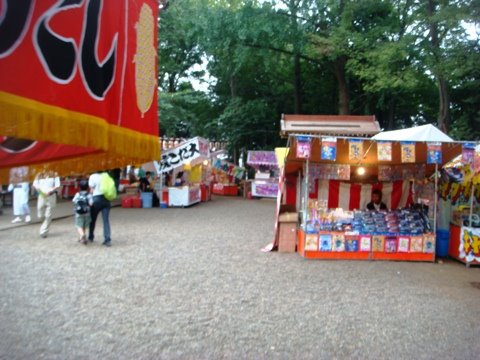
(265, 188)
(183, 195)
(224, 189)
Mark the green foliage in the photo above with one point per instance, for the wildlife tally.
(377, 54)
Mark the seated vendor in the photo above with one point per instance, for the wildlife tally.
(179, 179)
(376, 203)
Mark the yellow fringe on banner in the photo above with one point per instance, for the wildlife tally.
(117, 146)
(79, 166)
(29, 119)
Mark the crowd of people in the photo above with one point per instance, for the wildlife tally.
(89, 202)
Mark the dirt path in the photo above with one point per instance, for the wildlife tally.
(192, 284)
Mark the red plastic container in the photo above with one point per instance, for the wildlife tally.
(136, 202)
(127, 202)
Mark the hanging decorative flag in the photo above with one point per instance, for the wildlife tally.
(408, 152)
(329, 149)
(468, 153)
(384, 151)
(476, 165)
(304, 147)
(355, 150)
(434, 153)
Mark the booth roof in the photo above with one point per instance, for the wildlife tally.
(419, 133)
(267, 158)
(329, 125)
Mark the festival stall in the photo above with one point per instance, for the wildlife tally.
(94, 109)
(265, 183)
(225, 175)
(187, 168)
(330, 177)
(459, 191)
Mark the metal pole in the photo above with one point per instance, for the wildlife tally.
(471, 207)
(435, 202)
(305, 205)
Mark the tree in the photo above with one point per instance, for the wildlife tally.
(442, 20)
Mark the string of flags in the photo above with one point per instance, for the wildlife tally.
(384, 150)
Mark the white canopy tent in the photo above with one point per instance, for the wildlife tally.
(419, 133)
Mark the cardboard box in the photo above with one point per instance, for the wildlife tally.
(287, 241)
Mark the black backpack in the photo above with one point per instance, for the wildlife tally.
(81, 205)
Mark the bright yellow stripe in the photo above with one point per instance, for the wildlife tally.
(29, 119)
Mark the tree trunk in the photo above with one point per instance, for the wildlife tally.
(172, 83)
(391, 114)
(297, 84)
(233, 86)
(343, 93)
(443, 119)
(444, 104)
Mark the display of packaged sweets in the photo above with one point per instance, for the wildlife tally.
(365, 242)
(378, 243)
(429, 243)
(325, 241)
(391, 244)
(416, 244)
(403, 244)
(311, 242)
(338, 242)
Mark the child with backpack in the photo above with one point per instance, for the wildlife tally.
(82, 201)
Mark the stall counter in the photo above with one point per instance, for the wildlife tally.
(223, 189)
(356, 252)
(265, 188)
(464, 240)
(183, 195)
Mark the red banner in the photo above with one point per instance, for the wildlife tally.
(80, 73)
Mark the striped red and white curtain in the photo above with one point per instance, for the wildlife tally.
(353, 196)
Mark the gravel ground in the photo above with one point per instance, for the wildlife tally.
(192, 284)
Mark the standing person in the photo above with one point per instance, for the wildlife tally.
(147, 182)
(83, 200)
(21, 193)
(47, 185)
(100, 204)
(116, 174)
(132, 178)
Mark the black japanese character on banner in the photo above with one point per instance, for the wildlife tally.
(13, 25)
(183, 153)
(164, 164)
(98, 76)
(58, 54)
(193, 149)
(174, 159)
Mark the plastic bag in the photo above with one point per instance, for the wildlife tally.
(107, 187)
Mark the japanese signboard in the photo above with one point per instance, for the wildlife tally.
(183, 154)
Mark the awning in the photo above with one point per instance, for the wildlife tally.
(330, 125)
(262, 158)
(419, 133)
(78, 85)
